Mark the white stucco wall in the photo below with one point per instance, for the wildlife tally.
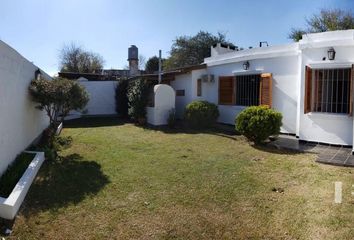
(102, 98)
(182, 82)
(20, 122)
(287, 64)
(285, 89)
(164, 102)
(325, 127)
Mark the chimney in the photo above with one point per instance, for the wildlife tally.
(133, 60)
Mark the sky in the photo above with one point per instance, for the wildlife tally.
(38, 29)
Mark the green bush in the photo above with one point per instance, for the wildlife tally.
(14, 172)
(137, 99)
(122, 98)
(201, 114)
(257, 123)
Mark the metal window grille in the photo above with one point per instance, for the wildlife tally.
(247, 90)
(331, 90)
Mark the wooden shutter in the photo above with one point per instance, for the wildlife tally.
(351, 91)
(265, 92)
(199, 87)
(227, 90)
(308, 89)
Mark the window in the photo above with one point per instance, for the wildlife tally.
(328, 90)
(246, 90)
(180, 93)
(199, 87)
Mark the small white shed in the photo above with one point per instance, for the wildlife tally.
(164, 102)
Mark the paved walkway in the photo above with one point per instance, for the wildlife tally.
(334, 155)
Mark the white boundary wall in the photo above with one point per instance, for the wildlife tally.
(102, 98)
(20, 121)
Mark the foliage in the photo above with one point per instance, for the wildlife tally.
(152, 65)
(122, 98)
(191, 50)
(201, 114)
(137, 99)
(57, 98)
(326, 20)
(171, 120)
(14, 172)
(257, 123)
(74, 58)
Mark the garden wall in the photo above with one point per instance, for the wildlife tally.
(102, 98)
(20, 121)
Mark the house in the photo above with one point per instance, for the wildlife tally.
(20, 122)
(310, 82)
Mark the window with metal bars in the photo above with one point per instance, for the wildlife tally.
(247, 90)
(331, 90)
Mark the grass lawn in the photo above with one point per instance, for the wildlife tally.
(119, 181)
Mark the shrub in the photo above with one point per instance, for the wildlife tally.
(121, 98)
(201, 114)
(57, 98)
(14, 172)
(137, 99)
(257, 123)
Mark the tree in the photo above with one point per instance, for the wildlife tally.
(142, 61)
(152, 65)
(137, 95)
(74, 58)
(326, 20)
(57, 98)
(191, 50)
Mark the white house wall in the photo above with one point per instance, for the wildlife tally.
(183, 82)
(325, 127)
(20, 121)
(285, 85)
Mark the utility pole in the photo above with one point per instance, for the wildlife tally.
(159, 66)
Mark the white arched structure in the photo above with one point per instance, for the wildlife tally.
(164, 103)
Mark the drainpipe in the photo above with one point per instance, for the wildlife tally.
(159, 66)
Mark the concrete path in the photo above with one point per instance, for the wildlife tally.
(334, 155)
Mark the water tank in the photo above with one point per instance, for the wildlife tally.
(132, 53)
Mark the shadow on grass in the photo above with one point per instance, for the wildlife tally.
(65, 181)
(272, 149)
(221, 130)
(89, 122)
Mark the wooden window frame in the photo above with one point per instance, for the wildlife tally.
(199, 87)
(233, 90)
(311, 91)
(266, 90)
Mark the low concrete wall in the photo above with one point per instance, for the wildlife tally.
(164, 102)
(10, 206)
(20, 121)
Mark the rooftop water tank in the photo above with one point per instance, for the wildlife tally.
(132, 53)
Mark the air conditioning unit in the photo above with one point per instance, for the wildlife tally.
(208, 78)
